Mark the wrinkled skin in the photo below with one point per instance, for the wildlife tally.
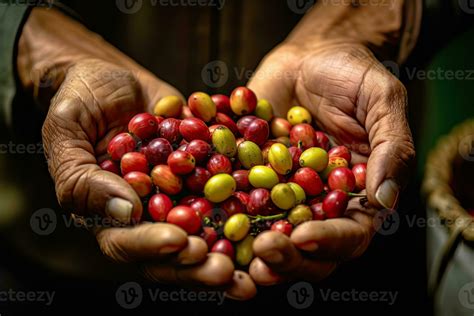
(92, 105)
(356, 100)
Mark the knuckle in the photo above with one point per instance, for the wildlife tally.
(111, 247)
(220, 270)
(364, 239)
(72, 189)
(392, 90)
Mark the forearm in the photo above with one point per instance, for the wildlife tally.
(50, 43)
(388, 27)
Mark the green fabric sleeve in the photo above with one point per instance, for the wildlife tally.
(12, 17)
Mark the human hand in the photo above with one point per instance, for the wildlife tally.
(360, 104)
(93, 102)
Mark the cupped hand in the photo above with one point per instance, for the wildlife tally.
(353, 98)
(93, 104)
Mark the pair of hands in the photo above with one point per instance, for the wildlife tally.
(351, 96)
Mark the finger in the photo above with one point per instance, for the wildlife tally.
(242, 287)
(340, 238)
(154, 89)
(262, 274)
(391, 142)
(279, 253)
(216, 271)
(357, 158)
(194, 252)
(147, 241)
(278, 92)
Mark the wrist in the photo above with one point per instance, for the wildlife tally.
(389, 28)
(50, 44)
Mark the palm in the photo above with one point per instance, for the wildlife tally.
(330, 84)
(356, 101)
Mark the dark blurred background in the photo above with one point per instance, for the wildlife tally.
(176, 43)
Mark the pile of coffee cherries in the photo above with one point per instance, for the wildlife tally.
(226, 169)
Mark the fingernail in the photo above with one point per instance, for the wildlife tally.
(273, 256)
(387, 194)
(119, 209)
(309, 246)
(169, 249)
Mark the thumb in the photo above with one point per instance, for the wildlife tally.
(274, 80)
(91, 107)
(81, 185)
(393, 152)
(88, 109)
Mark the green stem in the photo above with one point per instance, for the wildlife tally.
(357, 195)
(267, 218)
